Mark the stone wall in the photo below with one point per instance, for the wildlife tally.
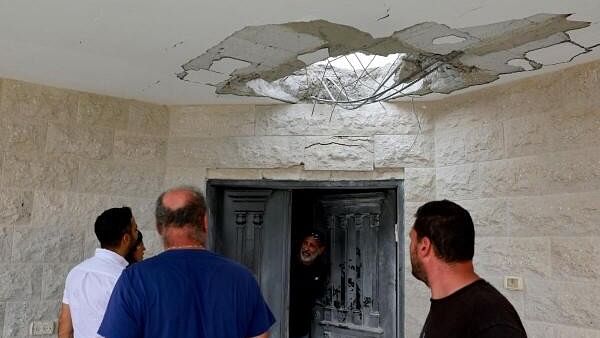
(524, 158)
(65, 157)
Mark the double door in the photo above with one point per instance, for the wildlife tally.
(254, 227)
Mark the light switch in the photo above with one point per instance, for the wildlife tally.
(513, 283)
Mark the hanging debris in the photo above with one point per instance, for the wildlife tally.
(422, 59)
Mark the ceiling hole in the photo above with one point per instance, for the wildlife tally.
(228, 65)
(310, 58)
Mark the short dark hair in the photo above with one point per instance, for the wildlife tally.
(190, 214)
(449, 227)
(111, 225)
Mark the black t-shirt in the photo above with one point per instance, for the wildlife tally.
(307, 284)
(477, 310)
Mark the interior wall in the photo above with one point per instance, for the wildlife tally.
(524, 158)
(65, 157)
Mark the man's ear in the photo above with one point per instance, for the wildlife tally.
(205, 222)
(159, 228)
(424, 247)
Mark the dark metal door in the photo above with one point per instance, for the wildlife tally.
(253, 229)
(361, 295)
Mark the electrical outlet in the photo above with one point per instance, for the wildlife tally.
(42, 327)
(513, 283)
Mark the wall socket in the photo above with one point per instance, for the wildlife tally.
(42, 327)
(513, 283)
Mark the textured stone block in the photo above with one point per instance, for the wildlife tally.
(569, 303)
(148, 118)
(571, 171)
(51, 245)
(213, 120)
(501, 256)
(20, 315)
(103, 111)
(484, 142)
(419, 184)
(301, 119)
(574, 129)
(489, 215)
(575, 258)
(20, 282)
(53, 280)
(196, 152)
(404, 150)
(47, 172)
(59, 209)
(6, 238)
(389, 174)
(19, 137)
(138, 148)
(450, 147)
(89, 143)
(177, 176)
(121, 179)
(236, 152)
(342, 175)
(555, 215)
(458, 182)
(521, 176)
(338, 153)
(262, 152)
(15, 207)
(527, 135)
(537, 329)
(233, 174)
(20, 100)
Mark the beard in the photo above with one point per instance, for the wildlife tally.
(307, 258)
(417, 269)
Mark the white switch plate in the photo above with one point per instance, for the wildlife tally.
(513, 283)
(42, 327)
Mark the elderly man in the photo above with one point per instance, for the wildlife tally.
(307, 282)
(89, 285)
(442, 245)
(186, 291)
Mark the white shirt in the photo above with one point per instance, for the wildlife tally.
(88, 288)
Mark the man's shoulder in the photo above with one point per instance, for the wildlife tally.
(204, 258)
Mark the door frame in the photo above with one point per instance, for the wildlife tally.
(215, 188)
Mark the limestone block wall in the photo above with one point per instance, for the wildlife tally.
(524, 158)
(65, 157)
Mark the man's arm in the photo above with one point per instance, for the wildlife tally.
(264, 335)
(65, 324)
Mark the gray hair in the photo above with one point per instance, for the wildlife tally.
(191, 214)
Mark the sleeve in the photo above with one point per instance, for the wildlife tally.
(261, 317)
(65, 298)
(121, 319)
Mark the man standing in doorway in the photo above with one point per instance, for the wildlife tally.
(307, 283)
(442, 245)
(186, 291)
(89, 285)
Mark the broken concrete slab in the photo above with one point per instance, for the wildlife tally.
(473, 56)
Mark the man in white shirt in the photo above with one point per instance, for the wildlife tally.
(89, 285)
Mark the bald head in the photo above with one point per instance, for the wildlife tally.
(179, 207)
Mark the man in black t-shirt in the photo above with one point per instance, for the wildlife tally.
(307, 283)
(442, 245)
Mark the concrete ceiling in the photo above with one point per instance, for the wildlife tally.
(135, 48)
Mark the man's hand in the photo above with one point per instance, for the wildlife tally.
(65, 325)
(264, 335)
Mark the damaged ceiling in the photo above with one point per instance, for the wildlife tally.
(135, 49)
(468, 57)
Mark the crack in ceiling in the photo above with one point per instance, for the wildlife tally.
(471, 56)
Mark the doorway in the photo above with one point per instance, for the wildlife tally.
(261, 224)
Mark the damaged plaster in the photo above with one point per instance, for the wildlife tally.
(438, 58)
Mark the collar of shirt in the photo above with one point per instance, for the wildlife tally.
(111, 256)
